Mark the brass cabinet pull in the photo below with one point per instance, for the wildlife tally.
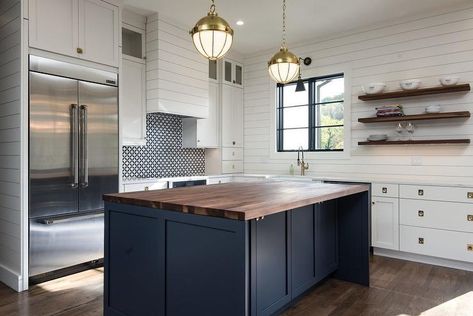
(420, 192)
(385, 190)
(373, 203)
(469, 218)
(469, 247)
(421, 241)
(146, 188)
(469, 195)
(80, 50)
(420, 213)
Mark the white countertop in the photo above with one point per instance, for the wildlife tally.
(289, 178)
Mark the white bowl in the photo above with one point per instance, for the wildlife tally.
(411, 84)
(449, 81)
(374, 88)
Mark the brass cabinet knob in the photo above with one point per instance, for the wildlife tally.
(385, 190)
(420, 192)
(373, 203)
(146, 188)
(234, 142)
(469, 218)
(420, 213)
(80, 50)
(469, 195)
(469, 247)
(198, 140)
(421, 241)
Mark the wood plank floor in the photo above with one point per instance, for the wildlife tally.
(397, 288)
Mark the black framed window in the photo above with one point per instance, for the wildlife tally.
(312, 118)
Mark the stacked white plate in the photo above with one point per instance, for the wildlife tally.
(377, 138)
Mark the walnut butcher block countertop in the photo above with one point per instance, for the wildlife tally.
(242, 201)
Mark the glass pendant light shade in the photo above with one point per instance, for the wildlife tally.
(283, 66)
(212, 35)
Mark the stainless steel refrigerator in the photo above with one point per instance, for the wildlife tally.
(73, 158)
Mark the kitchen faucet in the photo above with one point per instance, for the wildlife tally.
(300, 162)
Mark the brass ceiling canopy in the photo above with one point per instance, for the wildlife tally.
(212, 35)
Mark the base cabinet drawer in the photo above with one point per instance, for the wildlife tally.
(435, 193)
(435, 214)
(135, 187)
(385, 189)
(232, 153)
(437, 243)
(232, 166)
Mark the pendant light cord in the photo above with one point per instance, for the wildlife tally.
(284, 43)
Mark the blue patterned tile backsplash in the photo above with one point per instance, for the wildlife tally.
(163, 155)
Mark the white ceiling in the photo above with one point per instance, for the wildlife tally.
(306, 19)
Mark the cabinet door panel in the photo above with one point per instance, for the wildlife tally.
(385, 223)
(303, 247)
(53, 25)
(133, 103)
(238, 116)
(272, 277)
(326, 239)
(99, 31)
(227, 116)
(207, 129)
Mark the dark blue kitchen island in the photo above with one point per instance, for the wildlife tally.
(231, 249)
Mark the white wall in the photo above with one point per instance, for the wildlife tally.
(10, 147)
(424, 47)
(177, 76)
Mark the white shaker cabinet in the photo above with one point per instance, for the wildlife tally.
(204, 133)
(85, 29)
(133, 104)
(232, 73)
(99, 31)
(232, 116)
(385, 222)
(54, 25)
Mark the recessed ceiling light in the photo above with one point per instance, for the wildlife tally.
(240, 23)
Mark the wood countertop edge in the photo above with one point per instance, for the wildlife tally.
(243, 215)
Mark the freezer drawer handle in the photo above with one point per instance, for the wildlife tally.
(74, 147)
(84, 163)
(52, 221)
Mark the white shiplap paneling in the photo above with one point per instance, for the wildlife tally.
(10, 109)
(176, 75)
(426, 48)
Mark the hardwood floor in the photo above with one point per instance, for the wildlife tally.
(397, 288)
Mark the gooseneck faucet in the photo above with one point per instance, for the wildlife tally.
(300, 162)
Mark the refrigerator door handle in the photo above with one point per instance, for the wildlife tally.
(75, 147)
(84, 163)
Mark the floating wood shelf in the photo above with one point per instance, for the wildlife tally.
(416, 142)
(416, 117)
(413, 93)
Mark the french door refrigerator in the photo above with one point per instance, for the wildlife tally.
(73, 161)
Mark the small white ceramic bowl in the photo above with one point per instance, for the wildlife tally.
(449, 81)
(410, 84)
(374, 88)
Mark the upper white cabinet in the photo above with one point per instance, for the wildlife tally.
(99, 31)
(54, 25)
(133, 103)
(232, 73)
(204, 133)
(85, 29)
(232, 116)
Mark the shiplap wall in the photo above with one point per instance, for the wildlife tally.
(176, 75)
(10, 118)
(427, 48)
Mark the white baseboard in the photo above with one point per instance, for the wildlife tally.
(11, 278)
(468, 266)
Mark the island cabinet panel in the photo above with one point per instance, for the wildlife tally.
(303, 223)
(271, 263)
(326, 239)
(132, 259)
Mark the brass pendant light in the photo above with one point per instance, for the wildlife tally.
(284, 66)
(212, 35)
